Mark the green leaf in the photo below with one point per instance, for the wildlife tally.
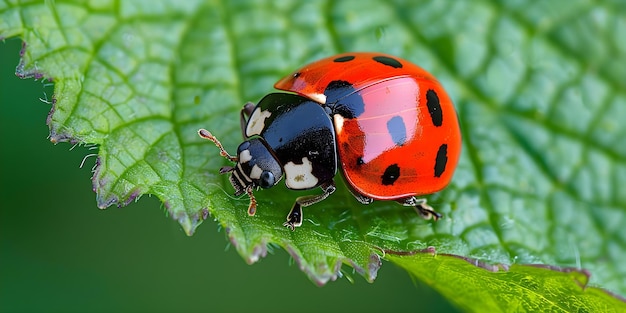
(522, 288)
(538, 88)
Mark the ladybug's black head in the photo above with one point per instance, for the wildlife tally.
(256, 167)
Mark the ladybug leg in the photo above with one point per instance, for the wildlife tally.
(359, 197)
(252, 205)
(248, 108)
(207, 135)
(294, 218)
(244, 115)
(424, 210)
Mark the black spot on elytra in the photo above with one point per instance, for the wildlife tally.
(342, 99)
(359, 161)
(388, 61)
(391, 174)
(296, 75)
(397, 130)
(344, 59)
(441, 160)
(434, 107)
(337, 89)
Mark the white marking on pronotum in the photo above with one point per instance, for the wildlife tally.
(318, 97)
(256, 123)
(300, 176)
(244, 156)
(338, 123)
(256, 172)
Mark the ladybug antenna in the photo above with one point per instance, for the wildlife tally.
(240, 185)
(207, 135)
(226, 169)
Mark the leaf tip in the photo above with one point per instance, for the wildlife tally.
(189, 223)
(258, 251)
(322, 273)
(22, 72)
(373, 265)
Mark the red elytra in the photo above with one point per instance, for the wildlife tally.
(408, 129)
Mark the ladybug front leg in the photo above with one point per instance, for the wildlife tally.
(294, 218)
(424, 210)
(244, 115)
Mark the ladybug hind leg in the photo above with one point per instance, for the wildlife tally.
(294, 218)
(424, 210)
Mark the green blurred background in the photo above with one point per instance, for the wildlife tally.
(60, 253)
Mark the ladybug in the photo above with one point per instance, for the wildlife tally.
(387, 123)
